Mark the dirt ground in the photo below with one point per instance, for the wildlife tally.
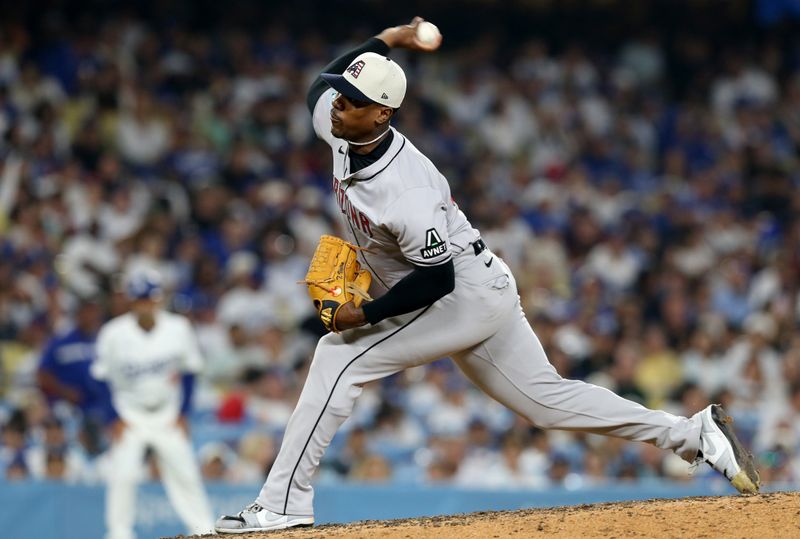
(760, 516)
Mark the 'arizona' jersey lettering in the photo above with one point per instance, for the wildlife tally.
(354, 215)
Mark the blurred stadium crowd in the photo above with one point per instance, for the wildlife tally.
(655, 238)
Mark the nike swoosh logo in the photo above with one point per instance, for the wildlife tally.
(489, 263)
(340, 150)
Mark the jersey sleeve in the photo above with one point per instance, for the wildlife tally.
(322, 116)
(101, 365)
(192, 359)
(418, 219)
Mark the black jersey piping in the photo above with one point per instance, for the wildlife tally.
(330, 394)
(374, 273)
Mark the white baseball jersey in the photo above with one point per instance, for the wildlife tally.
(143, 368)
(399, 208)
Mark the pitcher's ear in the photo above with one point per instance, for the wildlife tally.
(384, 116)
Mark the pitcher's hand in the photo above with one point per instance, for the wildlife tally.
(349, 316)
(405, 37)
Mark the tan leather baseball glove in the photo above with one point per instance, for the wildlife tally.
(335, 277)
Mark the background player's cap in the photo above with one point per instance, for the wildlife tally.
(145, 285)
(371, 77)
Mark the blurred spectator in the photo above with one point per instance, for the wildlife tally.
(215, 461)
(53, 457)
(453, 414)
(87, 262)
(505, 469)
(703, 365)
(56, 466)
(142, 136)
(244, 304)
(266, 397)
(16, 470)
(729, 293)
(309, 221)
(623, 373)
(755, 364)
(659, 371)
(594, 469)
(236, 354)
(283, 268)
(560, 468)
(63, 372)
(353, 454)
(614, 263)
(14, 440)
(19, 358)
(690, 398)
(256, 454)
(448, 453)
(394, 428)
(372, 469)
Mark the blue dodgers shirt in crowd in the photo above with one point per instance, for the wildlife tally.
(68, 358)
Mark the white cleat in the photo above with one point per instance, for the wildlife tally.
(723, 451)
(255, 518)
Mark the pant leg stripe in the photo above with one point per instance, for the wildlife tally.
(300, 458)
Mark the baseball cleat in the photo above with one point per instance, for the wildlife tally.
(255, 518)
(723, 451)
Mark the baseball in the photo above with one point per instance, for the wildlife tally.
(427, 33)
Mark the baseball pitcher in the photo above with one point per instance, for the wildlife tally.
(147, 356)
(438, 291)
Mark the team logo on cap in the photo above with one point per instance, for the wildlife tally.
(356, 68)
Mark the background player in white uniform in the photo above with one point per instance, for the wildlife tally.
(440, 292)
(145, 356)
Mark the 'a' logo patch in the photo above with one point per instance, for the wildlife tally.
(434, 246)
(355, 69)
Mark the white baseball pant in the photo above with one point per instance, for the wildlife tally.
(177, 467)
(482, 327)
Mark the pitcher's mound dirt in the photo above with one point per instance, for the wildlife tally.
(761, 516)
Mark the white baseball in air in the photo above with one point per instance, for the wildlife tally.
(427, 33)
